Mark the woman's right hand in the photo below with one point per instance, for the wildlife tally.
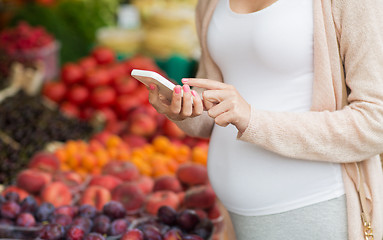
(181, 107)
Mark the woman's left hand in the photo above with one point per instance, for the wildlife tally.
(223, 103)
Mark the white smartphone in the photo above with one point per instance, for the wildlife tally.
(149, 77)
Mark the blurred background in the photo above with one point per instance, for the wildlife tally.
(161, 29)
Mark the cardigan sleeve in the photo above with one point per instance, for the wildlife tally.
(353, 133)
(200, 126)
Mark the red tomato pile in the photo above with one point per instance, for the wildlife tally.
(98, 84)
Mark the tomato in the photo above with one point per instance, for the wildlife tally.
(87, 64)
(102, 136)
(116, 71)
(78, 94)
(125, 85)
(124, 104)
(102, 97)
(103, 55)
(141, 93)
(87, 113)
(71, 73)
(108, 113)
(55, 91)
(97, 78)
(69, 109)
(141, 62)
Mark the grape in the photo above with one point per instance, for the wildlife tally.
(31, 125)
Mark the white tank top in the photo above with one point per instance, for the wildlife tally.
(268, 56)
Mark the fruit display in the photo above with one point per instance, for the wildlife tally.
(27, 44)
(98, 86)
(27, 219)
(26, 126)
(160, 157)
(120, 192)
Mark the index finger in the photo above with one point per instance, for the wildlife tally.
(204, 83)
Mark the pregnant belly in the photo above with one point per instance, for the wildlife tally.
(246, 177)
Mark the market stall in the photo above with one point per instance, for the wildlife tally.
(83, 154)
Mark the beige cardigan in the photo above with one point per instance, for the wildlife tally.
(343, 128)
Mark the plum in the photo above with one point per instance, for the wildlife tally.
(118, 226)
(52, 232)
(66, 210)
(151, 233)
(114, 210)
(191, 237)
(83, 222)
(6, 222)
(204, 228)
(2, 199)
(12, 196)
(10, 209)
(173, 234)
(44, 211)
(167, 215)
(94, 236)
(75, 233)
(133, 234)
(63, 220)
(29, 204)
(101, 224)
(25, 220)
(187, 220)
(87, 210)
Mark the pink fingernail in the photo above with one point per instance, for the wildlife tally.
(186, 88)
(194, 93)
(184, 80)
(152, 87)
(177, 89)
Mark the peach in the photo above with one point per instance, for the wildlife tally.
(44, 161)
(107, 181)
(96, 196)
(57, 193)
(135, 141)
(102, 137)
(172, 130)
(126, 171)
(145, 183)
(70, 178)
(142, 124)
(21, 192)
(130, 195)
(192, 174)
(33, 180)
(167, 182)
(199, 197)
(158, 199)
(214, 212)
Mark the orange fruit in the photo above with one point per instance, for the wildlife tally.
(61, 154)
(199, 155)
(113, 141)
(161, 143)
(102, 157)
(94, 145)
(184, 154)
(89, 161)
